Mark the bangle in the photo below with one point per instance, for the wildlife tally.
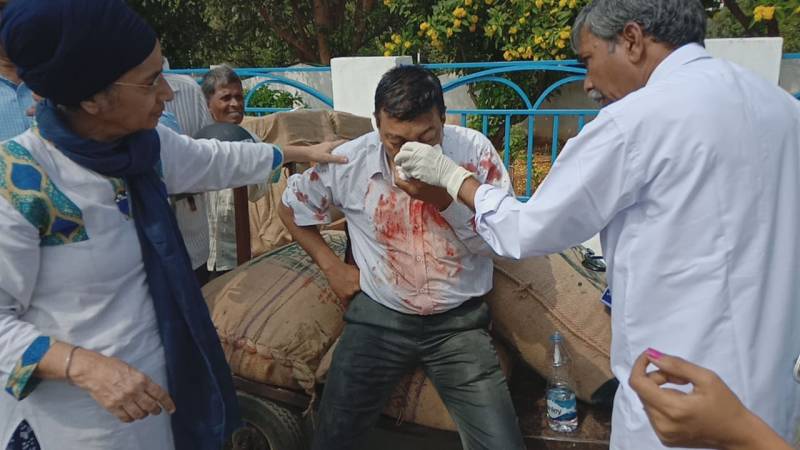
(68, 364)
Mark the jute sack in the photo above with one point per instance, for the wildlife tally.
(276, 316)
(534, 297)
(415, 398)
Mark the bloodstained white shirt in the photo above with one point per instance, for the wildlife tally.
(413, 258)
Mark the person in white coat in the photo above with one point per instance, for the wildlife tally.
(691, 175)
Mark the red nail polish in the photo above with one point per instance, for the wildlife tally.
(654, 354)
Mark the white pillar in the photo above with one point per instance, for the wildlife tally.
(355, 79)
(761, 55)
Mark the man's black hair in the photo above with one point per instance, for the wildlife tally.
(406, 92)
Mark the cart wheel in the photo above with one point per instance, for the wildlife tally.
(267, 426)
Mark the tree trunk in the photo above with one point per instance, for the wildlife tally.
(322, 23)
(740, 16)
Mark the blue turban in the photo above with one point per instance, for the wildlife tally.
(69, 50)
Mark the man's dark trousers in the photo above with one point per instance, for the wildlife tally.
(379, 345)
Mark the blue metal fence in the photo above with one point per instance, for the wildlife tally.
(469, 74)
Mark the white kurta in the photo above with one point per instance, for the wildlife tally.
(694, 181)
(94, 293)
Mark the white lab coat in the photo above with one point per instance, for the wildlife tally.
(693, 182)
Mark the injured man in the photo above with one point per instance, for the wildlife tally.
(416, 295)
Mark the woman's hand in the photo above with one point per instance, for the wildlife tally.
(319, 153)
(710, 416)
(119, 388)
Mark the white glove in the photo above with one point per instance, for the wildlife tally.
(430, 165)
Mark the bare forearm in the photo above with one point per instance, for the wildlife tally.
(757, 435)
(54, 363)
(309, 239)
(467, 192)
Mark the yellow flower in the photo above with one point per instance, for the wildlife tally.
(561, 57)
(387, 45)
(797, 11)
(522, 21)
(488, 2)
(460, 12)
(512, 30)
(507, 55)
(473, 28)
(457, 23)
(407, 44)
(564, 35)
(488, 31)
(473, 19)
(521, 50)
(397, 39)
(434, 35)
(424, 26)
(387, 2)
(572, 4)
(538, 40)
(562, 3)
(758, 13)
(560, 43)
(467, 2)
(539, 4)
(391, 46)
(387, 52)
(449, 32)
(768, 12)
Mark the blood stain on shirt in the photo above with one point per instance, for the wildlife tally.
(492, 172)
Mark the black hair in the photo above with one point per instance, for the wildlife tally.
(406, 92)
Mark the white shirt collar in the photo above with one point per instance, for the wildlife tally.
(679, 57)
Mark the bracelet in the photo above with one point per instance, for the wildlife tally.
(68, 364)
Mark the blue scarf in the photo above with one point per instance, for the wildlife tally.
(199, 378)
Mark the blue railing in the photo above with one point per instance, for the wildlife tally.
(471, 74)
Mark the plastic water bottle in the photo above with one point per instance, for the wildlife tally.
(562, 406)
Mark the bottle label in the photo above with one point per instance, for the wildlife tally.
(562, 410)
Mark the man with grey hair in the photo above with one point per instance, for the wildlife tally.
(691, 175)
(222, 88)
(224, 94)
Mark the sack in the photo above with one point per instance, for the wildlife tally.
(276, 315)
(415, 398)
(534, 297)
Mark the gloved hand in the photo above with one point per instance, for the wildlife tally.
(430, 165)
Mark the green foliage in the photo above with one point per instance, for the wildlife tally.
(763, 18)
(477, 30)
(265, 97)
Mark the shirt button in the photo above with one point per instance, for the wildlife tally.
(419, 258)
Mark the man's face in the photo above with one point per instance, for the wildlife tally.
(227, 103)
(138, 102)
(427, 128)
(610, 74)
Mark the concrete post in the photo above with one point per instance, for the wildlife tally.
(355, 79)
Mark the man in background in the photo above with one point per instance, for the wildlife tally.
(224, 96)
(191, 113)
(15, 98)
